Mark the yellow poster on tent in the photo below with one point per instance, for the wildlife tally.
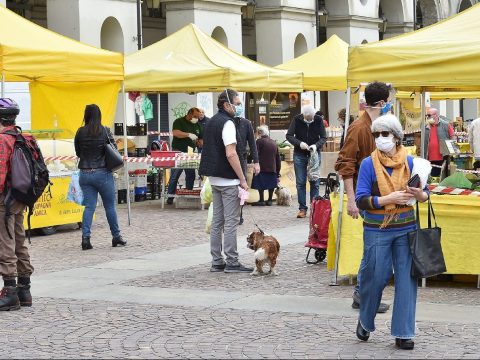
(53, 208)
(410, 116)
(62, 105)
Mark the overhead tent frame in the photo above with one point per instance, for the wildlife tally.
(32, 53)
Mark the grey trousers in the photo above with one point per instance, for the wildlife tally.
(226, 215)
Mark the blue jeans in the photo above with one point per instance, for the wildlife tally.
(175, 175)
(93, 183)
(381, 249)
(300, 163)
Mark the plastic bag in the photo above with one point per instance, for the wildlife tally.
(313, 168)
(457, 180)
(206, 193)
(208, 224)
(75, 193)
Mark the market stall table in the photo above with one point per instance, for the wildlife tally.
(457, 215)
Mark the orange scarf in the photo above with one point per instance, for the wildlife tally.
(390, 183)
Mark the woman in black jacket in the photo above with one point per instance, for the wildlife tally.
(270, 165)
(95, 178)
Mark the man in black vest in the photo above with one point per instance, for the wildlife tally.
(221, 163)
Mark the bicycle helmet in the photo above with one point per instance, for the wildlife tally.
(8, 109)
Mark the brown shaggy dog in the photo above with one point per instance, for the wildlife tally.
(266, 249)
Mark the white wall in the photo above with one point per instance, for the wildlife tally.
(63, 17)
(3, 2)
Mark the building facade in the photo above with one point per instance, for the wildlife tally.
(269, 31)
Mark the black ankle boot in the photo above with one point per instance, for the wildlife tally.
(362, 334)
(9, 299)
(404, 344)
(23, 291)
(86, 243)
(118, 240)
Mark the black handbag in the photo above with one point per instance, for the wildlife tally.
(113, 159)
(426, 248)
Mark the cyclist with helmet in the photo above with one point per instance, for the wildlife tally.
(14, 256)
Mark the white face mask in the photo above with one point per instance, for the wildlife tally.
(430, 121)
(385, 144)
(194, 120)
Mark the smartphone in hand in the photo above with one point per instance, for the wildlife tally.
(414, 181)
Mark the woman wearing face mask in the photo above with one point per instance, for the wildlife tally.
(382, 195)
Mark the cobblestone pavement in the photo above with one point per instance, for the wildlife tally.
(73, 328)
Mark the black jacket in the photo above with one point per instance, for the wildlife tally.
(91, 151)
(214, 160)
(311, 134)
(245, 136)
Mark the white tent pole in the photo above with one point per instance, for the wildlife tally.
(341, 192)
(422, 126)
(125, 152)
(3, 84)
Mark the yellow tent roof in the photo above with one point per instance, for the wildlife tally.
(191, 61)
(324, 68)
(457, 95)
(441, 57)
(30, 52)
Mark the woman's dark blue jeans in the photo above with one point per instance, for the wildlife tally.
(94, 182)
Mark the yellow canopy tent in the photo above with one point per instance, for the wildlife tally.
(64, 74)
(440, 57)
(452, 95)
(191, 61)
(324, 68)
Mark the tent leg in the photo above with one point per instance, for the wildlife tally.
(125, 152)
(341, 192)
(422, 127)
(3, 85)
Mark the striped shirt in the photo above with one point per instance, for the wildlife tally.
(367, 195)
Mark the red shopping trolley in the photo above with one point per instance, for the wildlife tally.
(320, 213)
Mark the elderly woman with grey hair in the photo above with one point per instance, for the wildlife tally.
(383, 196)
(270, 165)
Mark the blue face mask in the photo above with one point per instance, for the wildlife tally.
(239, 110)
(386, 108)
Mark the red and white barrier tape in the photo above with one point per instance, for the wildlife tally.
(134, 159)
(459, 170)
(159, 133)
(437, 189)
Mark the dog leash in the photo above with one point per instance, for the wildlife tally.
(254, 221)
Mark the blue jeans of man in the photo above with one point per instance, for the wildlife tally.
(175, 175)
(300, 163)
(94, 182)
(381, 249)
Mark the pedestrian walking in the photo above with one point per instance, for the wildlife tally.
(95, 178)
(358, 145)
(223, 165)
(306, 133)
(14, 256)
(270, 165)
(382, 195)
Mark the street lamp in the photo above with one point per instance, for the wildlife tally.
(321, 17)
(248, 11)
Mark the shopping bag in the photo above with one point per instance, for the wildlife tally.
(426, 248)
(313, 168)
(208, 224)
(206, 192)
(75, 193)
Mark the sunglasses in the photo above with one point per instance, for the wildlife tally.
(376, 134)
(428, 116)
